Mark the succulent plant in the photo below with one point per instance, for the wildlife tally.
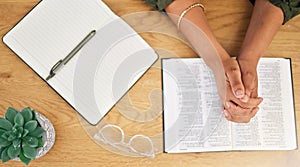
(20, 135)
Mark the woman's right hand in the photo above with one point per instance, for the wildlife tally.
(238, 107)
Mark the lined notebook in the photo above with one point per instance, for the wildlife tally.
(113, 60)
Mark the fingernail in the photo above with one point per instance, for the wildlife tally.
(245, 99)
(227, 104)
(239, 93)
(226, 113)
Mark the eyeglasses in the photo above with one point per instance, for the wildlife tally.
(114, 136)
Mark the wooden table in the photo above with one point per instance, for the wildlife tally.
(21, 87)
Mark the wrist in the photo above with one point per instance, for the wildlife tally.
(220, 59)
(224, 56)
(249, 58)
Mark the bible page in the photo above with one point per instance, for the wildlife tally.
(273, 127)
(193, 121)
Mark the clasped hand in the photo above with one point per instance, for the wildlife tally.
(240, 91)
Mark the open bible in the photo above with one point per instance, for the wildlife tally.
(193, 119)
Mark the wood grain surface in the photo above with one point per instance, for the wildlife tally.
(20, 87)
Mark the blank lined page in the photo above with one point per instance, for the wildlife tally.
(53, 28)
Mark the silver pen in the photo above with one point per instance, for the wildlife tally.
(64, 61)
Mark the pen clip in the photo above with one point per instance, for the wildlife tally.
(79, 46)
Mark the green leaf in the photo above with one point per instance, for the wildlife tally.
(5, 135)
(41, 142)
(24, 159)
(20, 131)
(30, 125)
(25, 133)
(17, 142)
(29, 152)
(19, 135)
(38, 132)
(4, 142)
(5, 124)
(2, 131)
(19, 119)
(13, 152)
(10, 114)
(27, 114)
(31, 141)
(4, 155)
(34, 115)
(1, 149)
(12, 137)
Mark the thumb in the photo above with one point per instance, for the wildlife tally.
(250, 85)
(235, 80)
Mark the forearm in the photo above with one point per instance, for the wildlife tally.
(195, 28)
(226, 71)
(265, 22)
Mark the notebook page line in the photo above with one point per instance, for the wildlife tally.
(64, 41)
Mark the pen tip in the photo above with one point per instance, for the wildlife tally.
(48, 77)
